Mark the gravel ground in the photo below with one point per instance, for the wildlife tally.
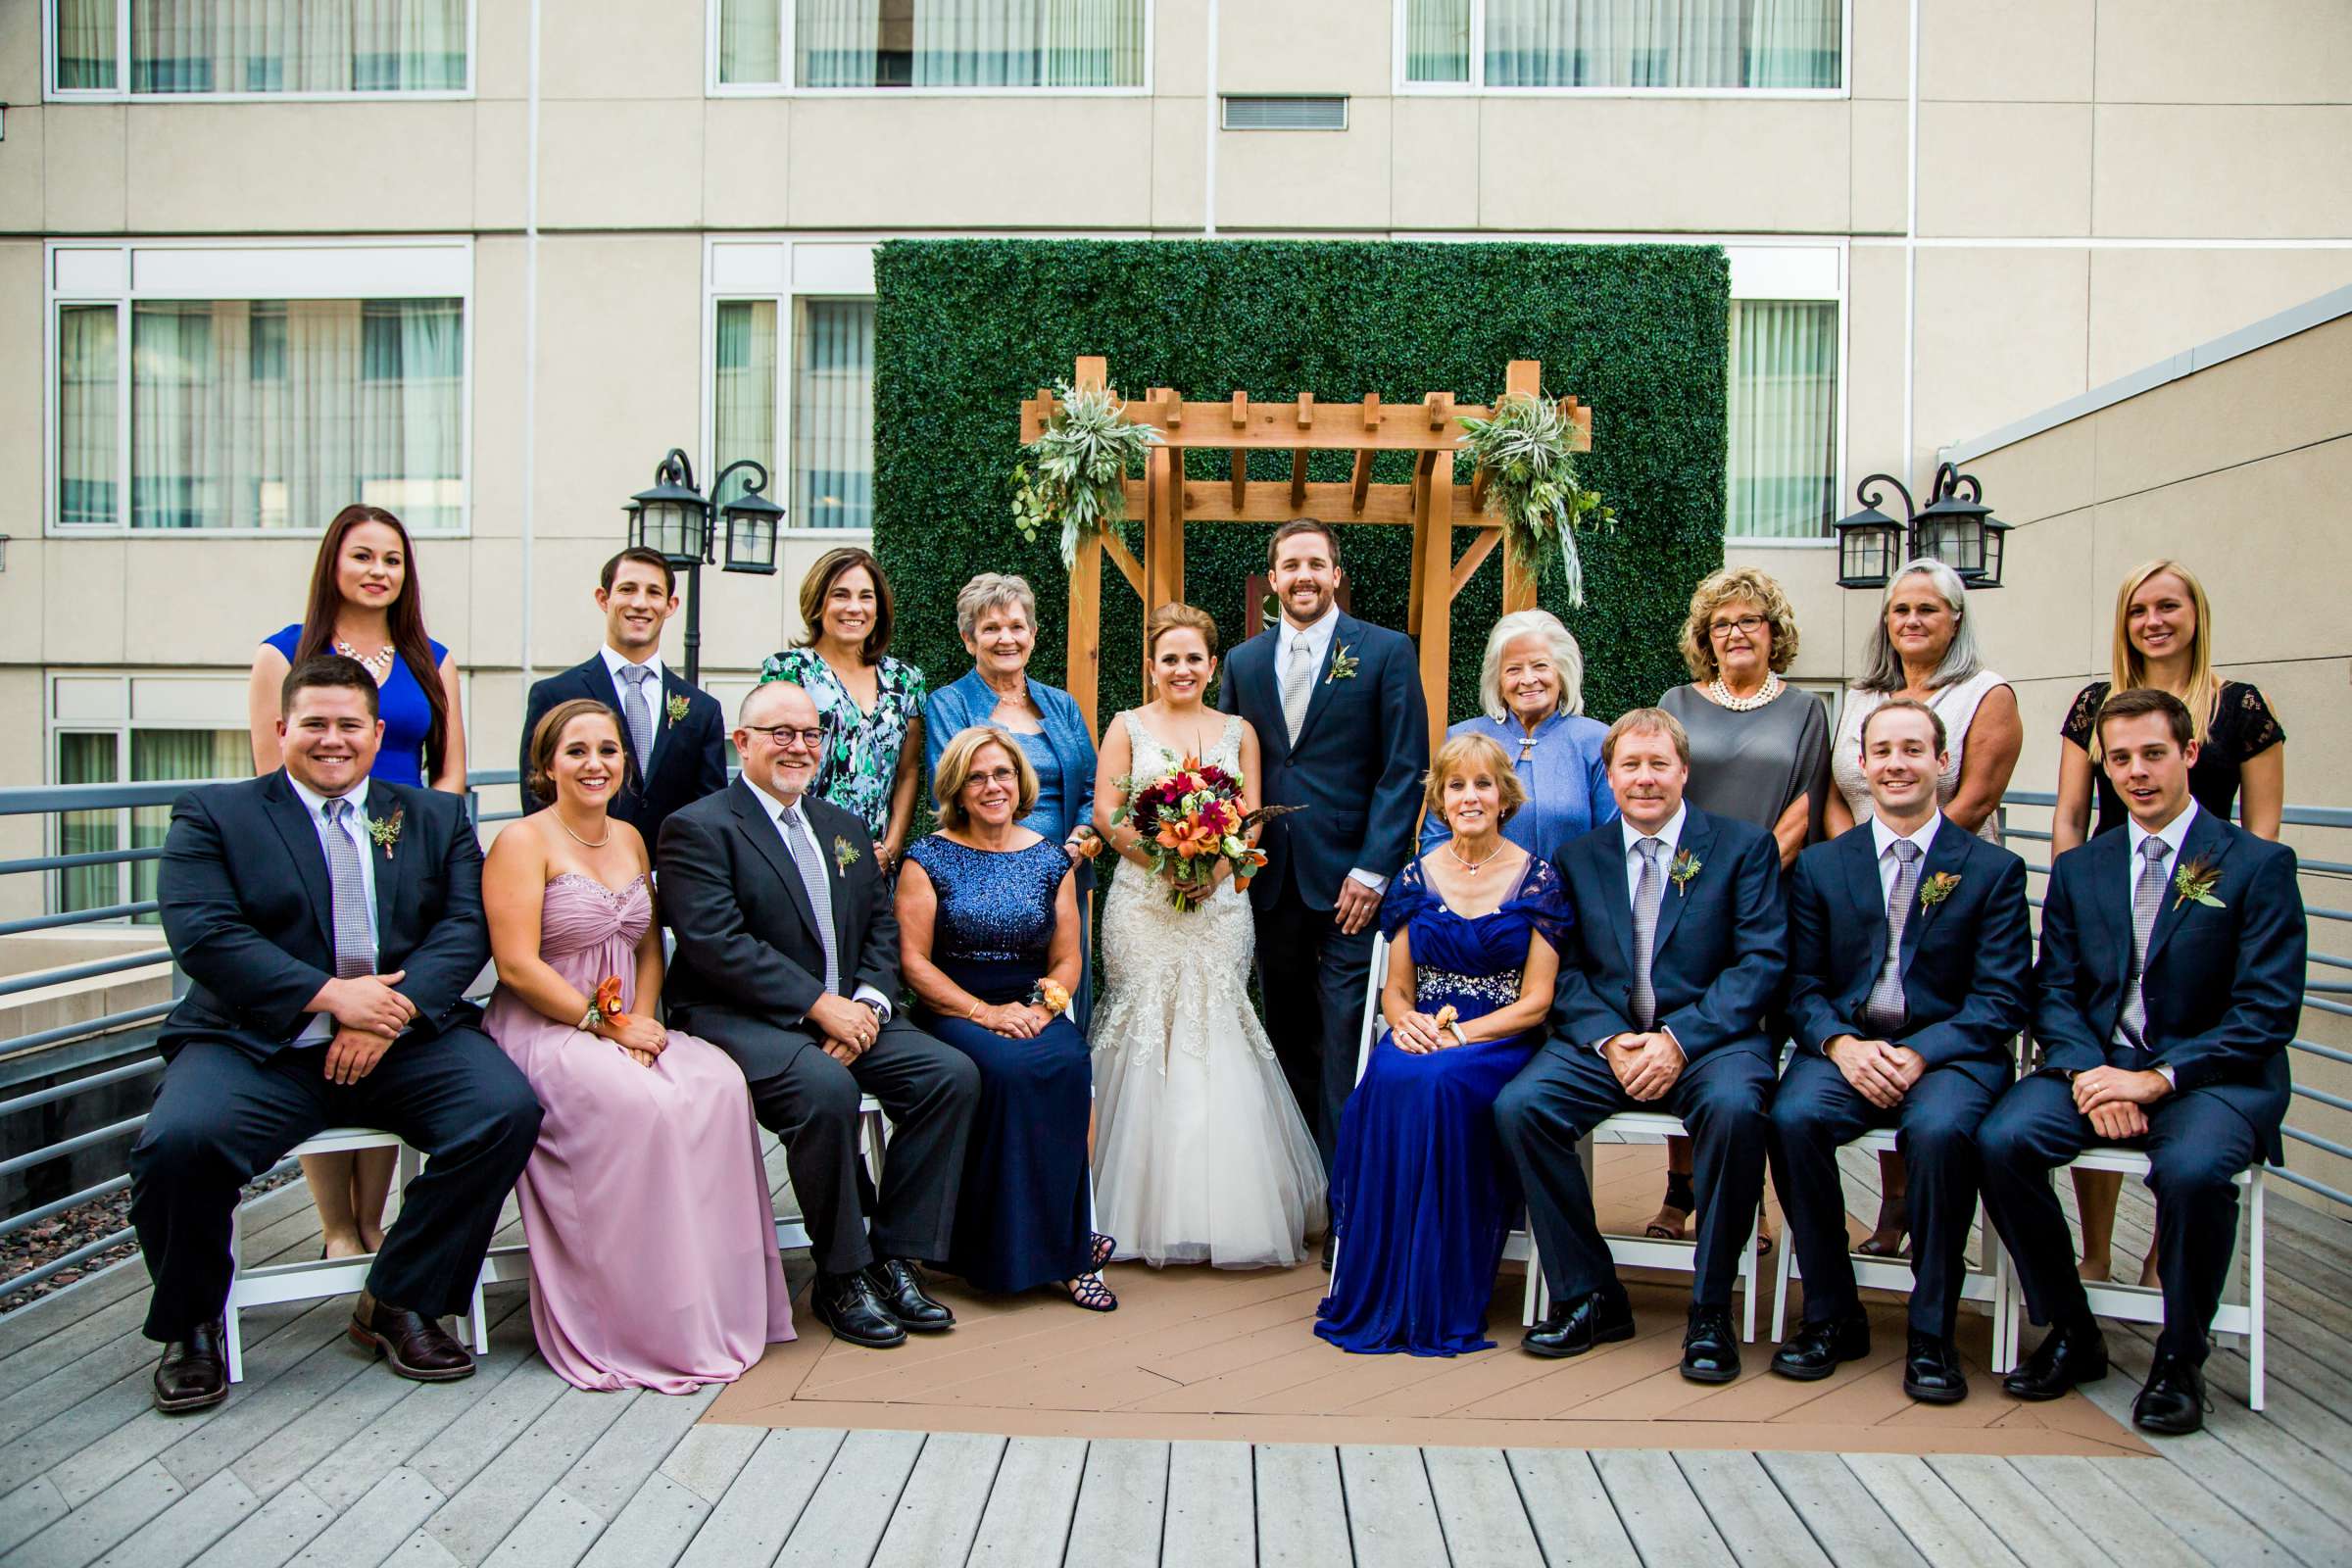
(60, 1234)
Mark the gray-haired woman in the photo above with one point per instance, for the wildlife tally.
(996, 616)
(1531, 685)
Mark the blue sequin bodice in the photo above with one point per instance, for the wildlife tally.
(996, 908)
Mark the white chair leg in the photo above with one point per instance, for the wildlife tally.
(234, 1339)
(478, 1323)
(2257, 1293)
(1747, 1282)
(1779, 1289)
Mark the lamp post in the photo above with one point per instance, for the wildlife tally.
(1954, 527)
(675, 521)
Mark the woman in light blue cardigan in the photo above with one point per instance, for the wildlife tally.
(1532, 686)
(995, 615)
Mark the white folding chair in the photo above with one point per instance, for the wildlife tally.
(873, 1134)
(1990, 1283)
(1519, 1244)
(2142, 1303)
(325, 1277)
(1644, 1252)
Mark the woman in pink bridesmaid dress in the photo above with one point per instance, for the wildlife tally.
(646, 1204)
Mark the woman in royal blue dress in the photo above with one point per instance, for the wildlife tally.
(1421, 1198)
(988, 942)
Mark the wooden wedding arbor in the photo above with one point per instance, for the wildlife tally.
(1432, 504)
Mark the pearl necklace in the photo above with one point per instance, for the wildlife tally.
(377, 663)
(1472, 866)
(1723, 696)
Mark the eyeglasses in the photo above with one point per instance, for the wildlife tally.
(783, 735)
(1001, 777)
(1746, 626)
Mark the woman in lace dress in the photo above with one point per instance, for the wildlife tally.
(652, 1241)
(1200, 1154)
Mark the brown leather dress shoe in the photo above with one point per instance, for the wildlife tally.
(417, 1345)
(194, 1371)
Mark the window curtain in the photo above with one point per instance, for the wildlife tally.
(297, 45)
(85, 43)
(86, 414)
(1437, 40)
(86, 758)
(835, 44)
(743, 400)
(833, 416)
(176, 754)
(751, 40)
(1091, 43)
(277, 415)
(1783, 410)
(1028, 43)
(1662, 43)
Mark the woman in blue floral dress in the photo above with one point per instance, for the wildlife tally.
(870, 704)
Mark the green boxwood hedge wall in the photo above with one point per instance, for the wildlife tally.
(964, 329)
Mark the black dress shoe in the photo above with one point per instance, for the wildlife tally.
(2068, 1354)
(1571, 1328)
(194, 1371)
(899, 1284)
(1816, 1350)
(1331, 1245)
(417, 1345)
(1932, 1371)
(2172, 1403)
(849, 1305)
(1710, 1351)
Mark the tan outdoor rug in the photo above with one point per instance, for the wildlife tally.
(1196, 1352)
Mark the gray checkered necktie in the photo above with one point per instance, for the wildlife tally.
(2132, 1029)
(1648, 890)
(355, 933)
(639, 713)
(1886, 1010)
(806, 855)
(1298, 680)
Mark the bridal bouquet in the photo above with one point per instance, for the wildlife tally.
(1191, 817)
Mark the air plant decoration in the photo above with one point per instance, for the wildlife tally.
(1532, 488)
(1075, 476)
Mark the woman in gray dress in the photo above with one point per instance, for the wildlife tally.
(1759, 749)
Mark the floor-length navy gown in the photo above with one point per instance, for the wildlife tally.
(1022, 1212)
(1421, 1194)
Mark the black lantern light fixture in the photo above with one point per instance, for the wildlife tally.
(1954, 527)
(672, 520)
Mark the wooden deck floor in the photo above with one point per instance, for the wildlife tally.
(322, 1458)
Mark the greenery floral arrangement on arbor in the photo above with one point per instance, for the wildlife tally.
(1530, 483)
(1081, 460)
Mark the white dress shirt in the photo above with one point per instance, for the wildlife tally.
(778, 809)
(2174, 833)
(616, 661)
(321, 1027)
(1318, 644)
(1886, 839)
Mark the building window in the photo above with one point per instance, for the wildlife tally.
(943, 45)
(238, 48)
(204, 408)
(1624, 45)
(1783, 463)
(831, 411)
(133, 754)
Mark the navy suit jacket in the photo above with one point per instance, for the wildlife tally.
(690, 754)
(1363, 750)
(1967, 961)
(249, 910)
(1718, 955)
(2223, 987)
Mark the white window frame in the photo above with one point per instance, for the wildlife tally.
(1477, 86)
(120, 727)
(787, 89)
(105, 273)
(121, 91)
(1795, 272)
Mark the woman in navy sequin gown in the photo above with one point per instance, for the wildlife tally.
(988, 924)
(1421, 1198)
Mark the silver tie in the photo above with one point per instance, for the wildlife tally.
(638, 713)
(2132, 1029)
(806, 855)
(1298, 680)
(1886, 1010)
(1647, 891)
(355, 933)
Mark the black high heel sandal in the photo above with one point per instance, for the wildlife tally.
(1088, 1291)
(1100, 1247)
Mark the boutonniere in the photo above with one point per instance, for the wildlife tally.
(2193, 883)
(844, 855)
(386, 832)
(678, 710)
(1938, 888)
(1343, 664)
(1683, 871)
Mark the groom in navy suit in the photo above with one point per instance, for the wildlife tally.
(2170, 984)
(1910, 975)
(1342, 731)
(1675, 961)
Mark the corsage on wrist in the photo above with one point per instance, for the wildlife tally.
(1049, 995)
(603, 1006)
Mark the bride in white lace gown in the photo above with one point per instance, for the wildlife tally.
(1200, 1154)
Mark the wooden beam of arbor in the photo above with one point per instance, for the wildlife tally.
(1297, 480)
(1318, 426)
(1472, 559)
(1211, 501)
(1124, 559)
(1360, 481)
(1241, 477)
